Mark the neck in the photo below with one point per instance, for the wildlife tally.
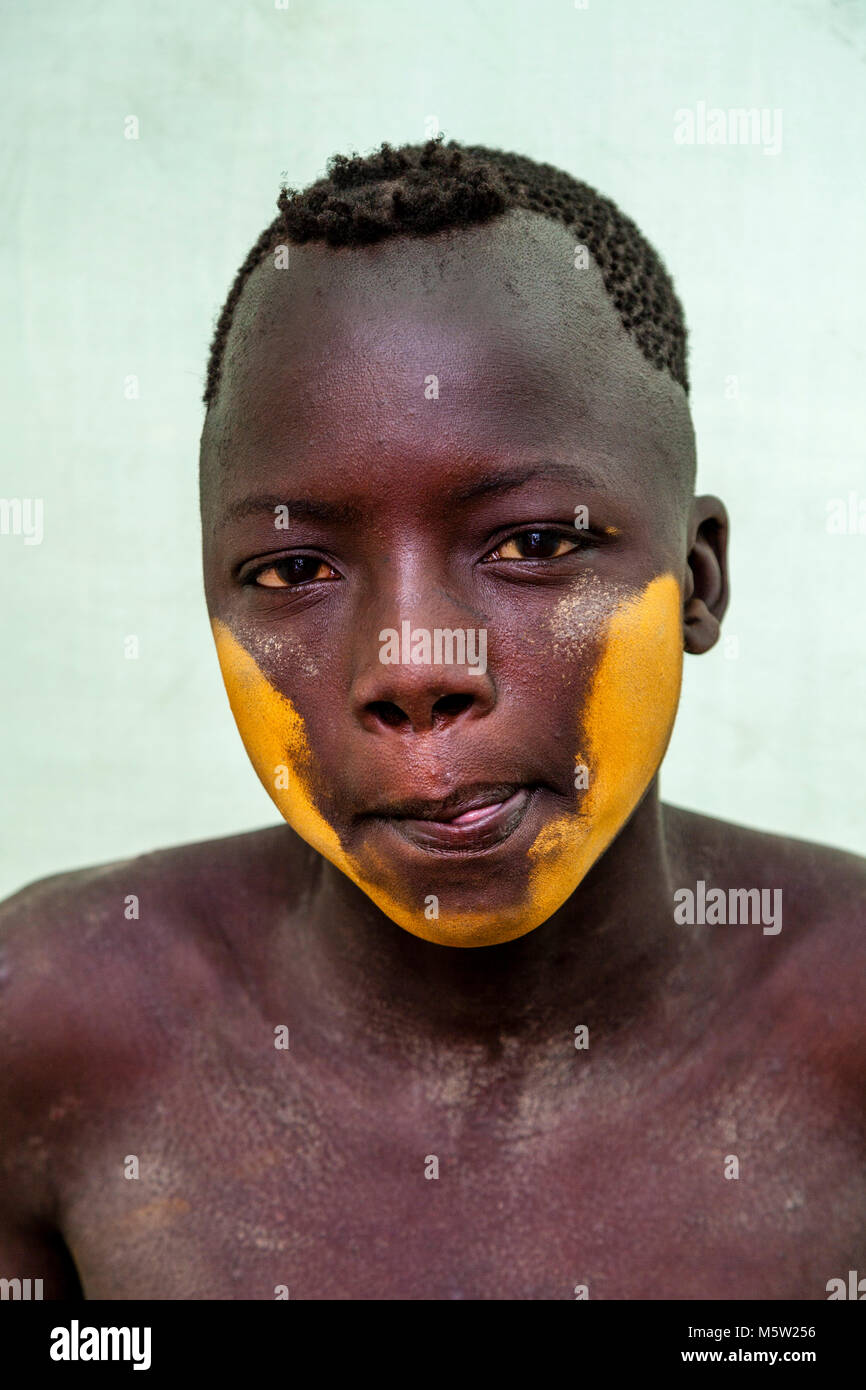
(602, 958)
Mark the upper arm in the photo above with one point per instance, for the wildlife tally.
(31, 1247)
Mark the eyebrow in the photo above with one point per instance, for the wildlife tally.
(344, 513)
(299, 507)
(510, 482)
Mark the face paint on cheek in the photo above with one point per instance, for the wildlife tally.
(275, 737)
(627, 722)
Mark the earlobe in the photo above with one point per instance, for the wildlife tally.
(705, 595)
(700, 628)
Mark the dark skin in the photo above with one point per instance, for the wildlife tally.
(557, 1167)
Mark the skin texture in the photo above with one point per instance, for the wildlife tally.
(602, 1166)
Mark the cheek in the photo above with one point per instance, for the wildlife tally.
(626, 715)
(633, 698)
(626, 721)
(275, 738)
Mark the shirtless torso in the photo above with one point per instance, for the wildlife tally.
(148, 1044)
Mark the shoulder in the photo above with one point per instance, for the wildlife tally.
(810, 962)
(69, 920)
(824, 886)
(102, 968)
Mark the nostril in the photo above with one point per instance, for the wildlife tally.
(450, 705)
(387, 712)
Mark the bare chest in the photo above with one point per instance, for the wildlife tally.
(247, 1189)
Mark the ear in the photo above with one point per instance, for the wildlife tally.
(705, 592)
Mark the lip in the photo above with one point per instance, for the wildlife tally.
(471, 796)
(472, 824)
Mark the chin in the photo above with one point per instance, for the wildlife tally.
(478, 927)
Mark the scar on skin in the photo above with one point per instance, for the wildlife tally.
(458, 603)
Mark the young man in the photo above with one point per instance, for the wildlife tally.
(485, 1019)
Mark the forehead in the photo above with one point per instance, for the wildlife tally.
(490, 338)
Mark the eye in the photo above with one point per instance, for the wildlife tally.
(536, 544)
(293, 571)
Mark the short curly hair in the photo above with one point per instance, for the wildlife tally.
(417, 190)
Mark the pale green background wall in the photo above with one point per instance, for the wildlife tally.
(117, 255)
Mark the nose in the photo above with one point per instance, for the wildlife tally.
(416, 680)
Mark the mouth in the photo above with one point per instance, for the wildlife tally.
(467, 822)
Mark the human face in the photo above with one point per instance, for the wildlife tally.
(404, 438)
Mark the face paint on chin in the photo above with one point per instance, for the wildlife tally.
(626, 721)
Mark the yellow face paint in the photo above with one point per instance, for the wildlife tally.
(275, 738)
(626, 724)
